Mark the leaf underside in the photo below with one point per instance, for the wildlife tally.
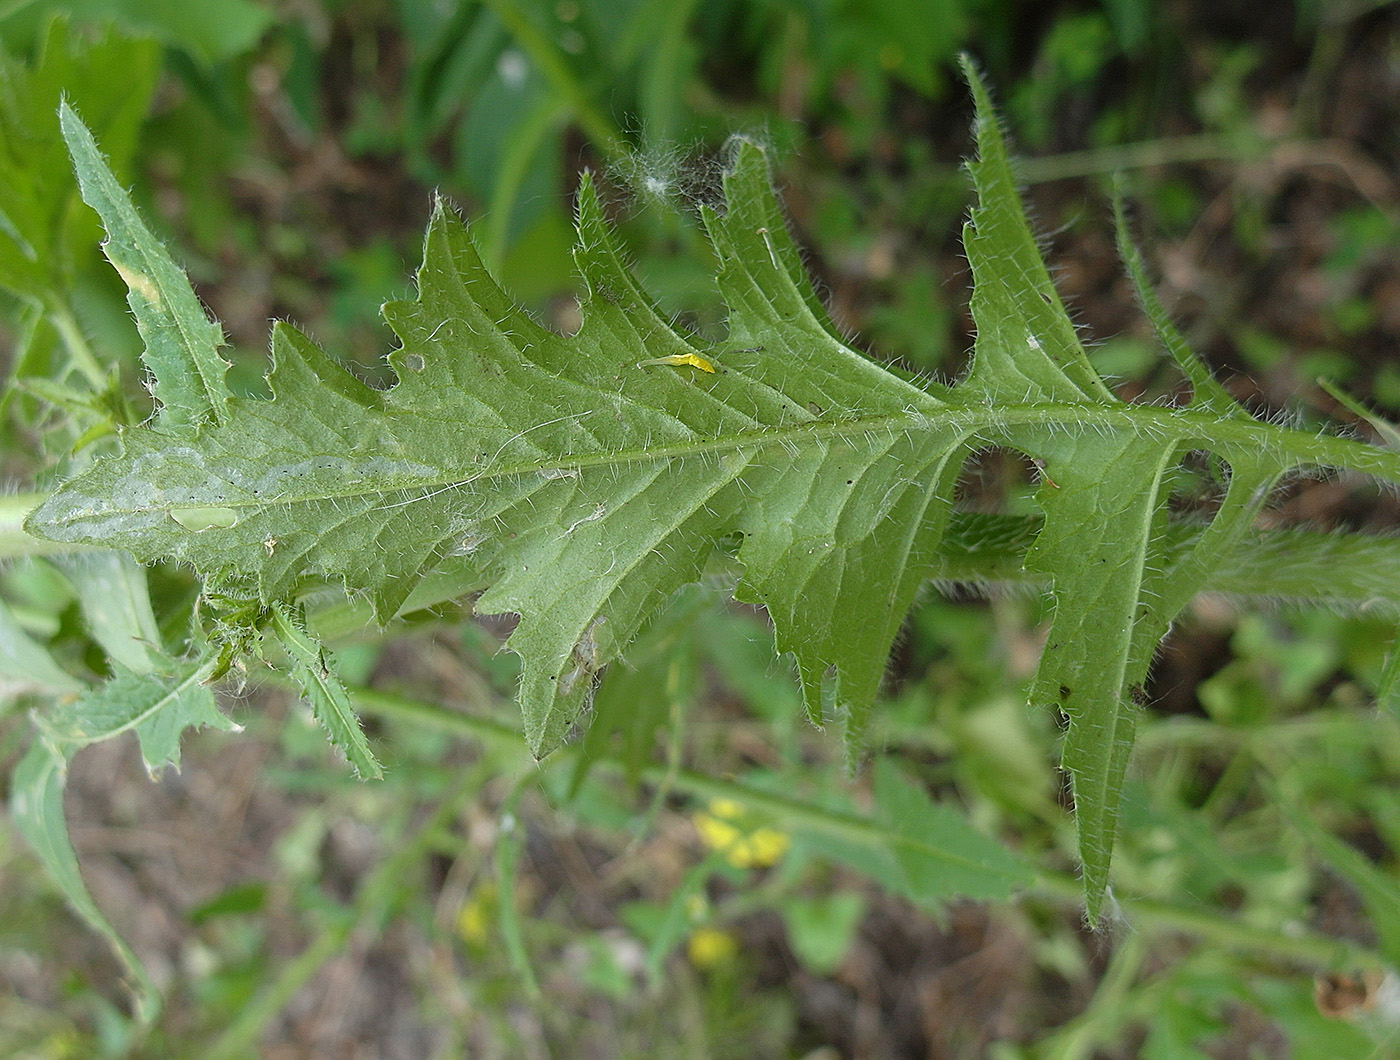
(582, 480)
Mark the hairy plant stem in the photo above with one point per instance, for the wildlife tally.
(15, 541)
(1144, 154)
(83, 358)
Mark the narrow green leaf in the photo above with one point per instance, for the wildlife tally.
(150, 695)
(36, 807)
(182, 343)
(26, 665)
(322, 687)
(1207, 392)
(940, 855)
(1388, 431)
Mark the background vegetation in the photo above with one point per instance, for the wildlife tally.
(668, 888)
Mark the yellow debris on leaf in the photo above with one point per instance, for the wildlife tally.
(694, 360)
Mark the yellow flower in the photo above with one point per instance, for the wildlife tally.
(744, 846)
(710, 947)
(475, 916)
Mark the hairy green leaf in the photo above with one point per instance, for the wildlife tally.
(586, 487)
(181, 341)
(150, 694)
(330, 702)
(1105, 492)
(158, 706)
(579, 481)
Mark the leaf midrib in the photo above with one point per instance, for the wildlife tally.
(985, 425)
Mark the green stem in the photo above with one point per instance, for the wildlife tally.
(1144, 155)
(15, 541)
(545, 55)
(77, 344)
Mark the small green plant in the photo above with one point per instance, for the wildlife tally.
(583, 482)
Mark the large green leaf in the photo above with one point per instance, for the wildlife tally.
(581, 480)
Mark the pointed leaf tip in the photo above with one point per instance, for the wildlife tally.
(746, 153)
(181, 341)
